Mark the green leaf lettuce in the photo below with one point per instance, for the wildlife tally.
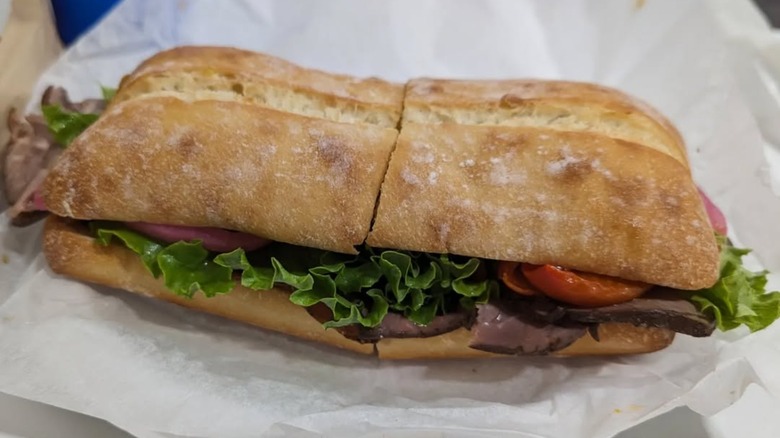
(358, 289)
(186, 267)
(108, 93)
(739, 297)
(65, 126)
(362, 289)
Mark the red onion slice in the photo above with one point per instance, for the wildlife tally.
(717, 219)
(30, 200)
(37, 201)
(214, 239)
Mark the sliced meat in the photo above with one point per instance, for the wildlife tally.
(547, 310)
(31, 150)
(58, 96)
(395, 325)
(510, 327)
(29, 207)
(26, 218)
(663, 308)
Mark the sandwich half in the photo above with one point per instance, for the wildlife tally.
(438, 219)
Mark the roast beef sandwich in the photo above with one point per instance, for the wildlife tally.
(435, 219)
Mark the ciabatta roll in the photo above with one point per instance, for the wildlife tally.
(438, 219)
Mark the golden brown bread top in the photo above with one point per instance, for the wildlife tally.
(215, 136)
(72, 252)
(536, 171)
(556, 105)
(470, 176)
(232, 74)
(228, 164)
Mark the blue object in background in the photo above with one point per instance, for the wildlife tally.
(73, 17)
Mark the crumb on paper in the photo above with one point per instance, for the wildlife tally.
(638, 4)
(5, 259)
(629, 408)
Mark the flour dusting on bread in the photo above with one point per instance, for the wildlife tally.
(275, 150)
(544, 172)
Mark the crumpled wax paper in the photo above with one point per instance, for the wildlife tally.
(158, 370)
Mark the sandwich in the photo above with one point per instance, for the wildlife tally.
(434, 219)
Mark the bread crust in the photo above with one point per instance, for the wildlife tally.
(614, 339)
(567, 173)
(217, 136)
(559, 105)
(70, 251)
(227, 164)
(269, 81)
(541, 172)
(601, 187)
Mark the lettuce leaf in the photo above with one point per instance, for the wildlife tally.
(65, 126)
(186, 267)
(739, 297)
(107, 92)
(359, 289)
(147, 249)
(362, 289)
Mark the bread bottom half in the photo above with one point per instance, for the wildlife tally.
(72, 252)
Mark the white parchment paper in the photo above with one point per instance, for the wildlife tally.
(158, 370)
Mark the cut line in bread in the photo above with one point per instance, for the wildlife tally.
(227, 164)
(220, 137)
(480, 168)
(555, 172)
(474, 175)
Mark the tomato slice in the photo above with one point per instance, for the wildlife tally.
(581, 288)
(512, 276)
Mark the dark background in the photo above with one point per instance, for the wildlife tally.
(772, 10)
